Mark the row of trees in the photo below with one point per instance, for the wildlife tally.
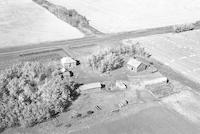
(31, 93)
(113, 58)
(70, 16)
(183, 27)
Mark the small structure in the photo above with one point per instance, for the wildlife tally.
(68, 62)
(135, 65)
(148, 79)
(158, 80)
(90, 86)
(121, 85)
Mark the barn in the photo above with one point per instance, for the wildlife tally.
(135, 65)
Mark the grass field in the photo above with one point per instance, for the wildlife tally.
(126, 15)
(24, 22)
(186, 103)
(155, 120)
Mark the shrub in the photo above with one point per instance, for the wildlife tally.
(183, 27)
(31, 93)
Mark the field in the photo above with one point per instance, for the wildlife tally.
(178, 51)
(24, 23)
(126, 15)
(155, 120)
(186, 103)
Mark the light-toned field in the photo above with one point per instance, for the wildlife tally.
(155, 120)
(126, 15)
(24, 22)
(178, 51)
(186, 103)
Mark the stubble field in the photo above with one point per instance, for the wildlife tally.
(24, 22)
(125, 15)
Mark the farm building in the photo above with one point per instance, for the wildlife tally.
(68, 62)
(136, 65)
(120, 84)
(158, 80)
(90, 86)
(148, 79)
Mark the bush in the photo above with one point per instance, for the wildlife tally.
(183, 27)
(114, 58)
(31, 93)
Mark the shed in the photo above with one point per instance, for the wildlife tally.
(158, 80)
(90, 86)
(68, 62)
(135, 65)
(120, 84)
(148, 79)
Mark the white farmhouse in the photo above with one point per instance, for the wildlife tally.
(68, 62)
(135, 65)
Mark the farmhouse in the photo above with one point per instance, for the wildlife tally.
(136, 65)
(68, 62)
(90, 86)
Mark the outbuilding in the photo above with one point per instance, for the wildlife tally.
(148, 79)
(158, 80)
(68, 62)
(120, 84)
(90, 86)
(135, 65)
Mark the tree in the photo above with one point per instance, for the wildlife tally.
(31, 93)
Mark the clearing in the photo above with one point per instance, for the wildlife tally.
(25, 23)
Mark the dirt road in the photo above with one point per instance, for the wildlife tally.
(87, 40)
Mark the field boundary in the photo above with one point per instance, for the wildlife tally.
(50, 50)
(70, 16)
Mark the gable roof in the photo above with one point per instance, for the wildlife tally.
(133, 62)
(66, 60)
